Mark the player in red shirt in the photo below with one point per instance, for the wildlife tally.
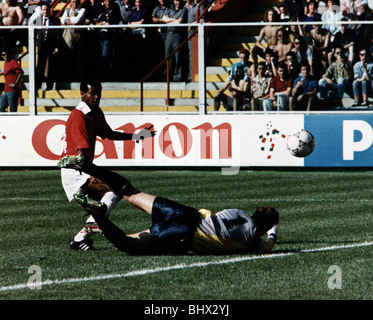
(13, 74)
(85, 123)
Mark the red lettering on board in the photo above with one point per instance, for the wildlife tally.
(182, 136)
(225, 140)
(175, 141)
(39, 138)
(129, 145)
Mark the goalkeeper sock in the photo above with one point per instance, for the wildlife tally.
(110, 199)
(112, 233)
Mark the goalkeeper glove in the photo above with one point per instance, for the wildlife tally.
(272, 233)
(143, 134)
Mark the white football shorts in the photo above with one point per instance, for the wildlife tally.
(72, 181)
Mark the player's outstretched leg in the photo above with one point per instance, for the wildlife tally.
(112, 233)
(119, 184)
(108, 200)
(137, 244)
(79, 162)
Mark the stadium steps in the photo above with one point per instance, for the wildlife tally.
(121, 96)
(240, 38)
(125, 97)
(227, 53)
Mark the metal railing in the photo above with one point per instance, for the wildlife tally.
(60, 13)
(167, 61)
(32, 55)
(170, 56)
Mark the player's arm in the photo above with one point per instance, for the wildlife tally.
(143, 134)
(117, 135)
(268, 244)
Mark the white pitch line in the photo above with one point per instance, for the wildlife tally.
(178, 266)
(231, 199)
(32, 199)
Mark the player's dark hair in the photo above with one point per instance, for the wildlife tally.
(84, 86)
(266, 217)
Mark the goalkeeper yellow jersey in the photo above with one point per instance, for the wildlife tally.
(226, 232)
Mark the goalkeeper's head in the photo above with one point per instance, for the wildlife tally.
(266, 218)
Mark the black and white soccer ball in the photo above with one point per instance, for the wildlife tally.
(301, 143)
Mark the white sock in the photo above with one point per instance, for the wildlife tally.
(90, 219)
(81, 235)
(110, 199)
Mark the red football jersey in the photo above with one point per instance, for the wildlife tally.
(82, 128)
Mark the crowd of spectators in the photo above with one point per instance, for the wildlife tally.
(112, 54)
(306, 66)
(303, 66)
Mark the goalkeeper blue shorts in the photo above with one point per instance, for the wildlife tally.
(173, 225)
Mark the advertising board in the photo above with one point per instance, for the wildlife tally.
(246, 140)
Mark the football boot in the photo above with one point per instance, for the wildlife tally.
(73, 162)
(86, 244)
(90, 205)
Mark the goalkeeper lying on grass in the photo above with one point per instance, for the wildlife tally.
(177, 228)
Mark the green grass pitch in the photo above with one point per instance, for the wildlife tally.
(325, 222)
